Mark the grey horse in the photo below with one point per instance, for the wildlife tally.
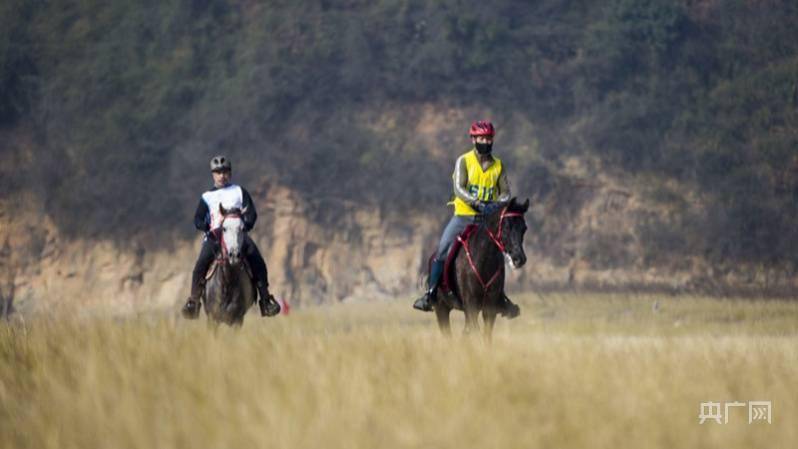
(229, 290)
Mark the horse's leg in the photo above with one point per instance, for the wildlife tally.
(236, 309)
(471, 319)
(245, 298)
(442, 313)
(213, 296)
(489, 317)
(470, 306)
(490, 308)
(248, 295)
(245, 302)
(467, 289)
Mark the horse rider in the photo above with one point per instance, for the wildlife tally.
(479, 180)
(208, 218)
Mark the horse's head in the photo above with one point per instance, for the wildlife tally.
(512, 227)
(232, 233)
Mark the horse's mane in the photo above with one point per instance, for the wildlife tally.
(514, 206)
(511, 206)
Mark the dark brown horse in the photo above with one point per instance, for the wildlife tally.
(479, 267)
(229, 291)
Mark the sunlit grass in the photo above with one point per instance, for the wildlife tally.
(572, 371)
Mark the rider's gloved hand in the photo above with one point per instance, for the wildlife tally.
(490, 207)
(478, 206)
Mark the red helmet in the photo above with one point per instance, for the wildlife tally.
(482, 128)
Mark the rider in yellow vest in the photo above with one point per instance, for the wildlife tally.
(479, 180)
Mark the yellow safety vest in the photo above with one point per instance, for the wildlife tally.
(482, 184)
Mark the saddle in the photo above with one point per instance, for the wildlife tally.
(218, 261)
(447, 284)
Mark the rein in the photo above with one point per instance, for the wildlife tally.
(497, 240)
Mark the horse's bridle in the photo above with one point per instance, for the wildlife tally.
(221, 233)
(497, 239)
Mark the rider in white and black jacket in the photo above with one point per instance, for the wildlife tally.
(207, 218)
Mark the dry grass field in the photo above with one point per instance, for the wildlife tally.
(599, 371)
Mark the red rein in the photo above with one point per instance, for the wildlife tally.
(497, 239)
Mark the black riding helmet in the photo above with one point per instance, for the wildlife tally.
(220, 163)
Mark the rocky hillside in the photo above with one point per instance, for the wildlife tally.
(589, 232)
(309, 263)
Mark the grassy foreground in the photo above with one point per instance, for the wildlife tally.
(573, 371)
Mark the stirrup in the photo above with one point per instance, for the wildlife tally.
(425, 303)
(510, 309)
(268, 306)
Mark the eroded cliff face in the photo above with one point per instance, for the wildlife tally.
(361, 258)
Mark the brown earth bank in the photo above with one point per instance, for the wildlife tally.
(584, 235)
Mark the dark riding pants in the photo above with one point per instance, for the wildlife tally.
(208, 253)
(255, 260)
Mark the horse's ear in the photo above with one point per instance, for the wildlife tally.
(221, 209)
(525, 206)
(244, 210)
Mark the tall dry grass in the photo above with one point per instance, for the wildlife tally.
(574, 371)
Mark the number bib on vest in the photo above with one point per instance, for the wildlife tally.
(482, 184)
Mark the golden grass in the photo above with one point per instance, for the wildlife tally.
(597, 371)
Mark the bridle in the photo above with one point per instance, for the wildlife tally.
(222, 243)
(497, 240)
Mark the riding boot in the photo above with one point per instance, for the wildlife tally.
(268, 305)
(426, 302)
(191, 309)
(509, 310)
